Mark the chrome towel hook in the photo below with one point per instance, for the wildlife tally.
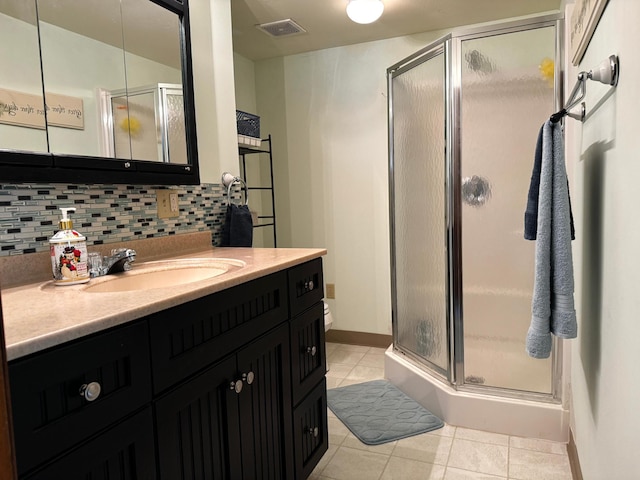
(229, 180)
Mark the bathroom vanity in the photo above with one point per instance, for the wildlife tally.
(220, 378)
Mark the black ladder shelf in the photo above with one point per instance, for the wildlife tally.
(244, 151)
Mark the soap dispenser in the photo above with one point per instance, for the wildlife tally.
(68, 253)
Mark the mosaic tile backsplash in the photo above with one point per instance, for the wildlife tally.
(29, 214)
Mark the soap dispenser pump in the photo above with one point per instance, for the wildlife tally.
(68, 253)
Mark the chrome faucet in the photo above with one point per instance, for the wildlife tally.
(120, 260)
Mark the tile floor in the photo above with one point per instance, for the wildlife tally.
(450, 453)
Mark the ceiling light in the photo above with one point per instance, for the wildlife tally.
(365, 11)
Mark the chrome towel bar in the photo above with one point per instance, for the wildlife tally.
(607, 72)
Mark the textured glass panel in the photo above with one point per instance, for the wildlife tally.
(146, 140)
(121, 142)
(419, 208)
(175, 129)
(507, 93)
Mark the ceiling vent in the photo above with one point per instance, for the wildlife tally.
(282, 28)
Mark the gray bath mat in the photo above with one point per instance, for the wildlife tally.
(377, 412)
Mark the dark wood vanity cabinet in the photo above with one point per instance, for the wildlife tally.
(195, 439)
(310, 430)
(51, 415)
(193, 336)
(232, 421)
(124, 452)
(228, 386)
(308, 357)
(265, 408)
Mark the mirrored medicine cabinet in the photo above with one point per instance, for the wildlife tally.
(96, 91)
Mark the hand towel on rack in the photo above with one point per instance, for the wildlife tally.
(237, 230)
(531, 213)
(552, 305)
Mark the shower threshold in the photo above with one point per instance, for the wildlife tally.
(508, 416)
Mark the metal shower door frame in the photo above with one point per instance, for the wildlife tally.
(431, 51)
(451, 46)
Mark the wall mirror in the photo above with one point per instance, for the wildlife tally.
(96, 91)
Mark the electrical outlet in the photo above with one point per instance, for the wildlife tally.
(173, 202)
(167, 203)
(331, 290)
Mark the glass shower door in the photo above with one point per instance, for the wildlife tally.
(418, 199)
(507, 92)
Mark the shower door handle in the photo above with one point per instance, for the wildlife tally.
(476, 190)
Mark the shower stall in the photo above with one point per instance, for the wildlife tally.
(464, 117)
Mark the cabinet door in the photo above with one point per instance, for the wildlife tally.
(198, 430)
(192, 336)
(311, 436)
(307, 351)
(265, 408)
(126, 452)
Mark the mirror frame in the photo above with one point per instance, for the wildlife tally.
(21, 166)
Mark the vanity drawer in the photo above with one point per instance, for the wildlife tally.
(311, 436)
(51, 415)
(308, 354)
(187, 338)
(305, 286)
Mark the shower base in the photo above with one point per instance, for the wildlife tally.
(522, 418)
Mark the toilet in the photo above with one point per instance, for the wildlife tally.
(328, 318)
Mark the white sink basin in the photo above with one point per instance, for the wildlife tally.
(163, 274)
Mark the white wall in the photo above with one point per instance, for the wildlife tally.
(605, 356)
(212, 58)
(244, 75)
(327, 112)
(271, 105)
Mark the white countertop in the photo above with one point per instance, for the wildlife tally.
(41, 315)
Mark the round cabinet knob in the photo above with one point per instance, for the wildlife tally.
(90, 391)
(312, 350)
(236, 386)
(127, 165)
(313, 431)
(248, 377)
(308, 286)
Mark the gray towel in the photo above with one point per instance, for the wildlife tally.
(531, 213)
(552, 306)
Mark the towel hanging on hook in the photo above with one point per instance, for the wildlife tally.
(607, 73)
(237, 230)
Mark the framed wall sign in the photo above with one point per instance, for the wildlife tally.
(26, 110)
(584, 20)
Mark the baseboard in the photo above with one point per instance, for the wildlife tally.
(574, 461)
(359, 338)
